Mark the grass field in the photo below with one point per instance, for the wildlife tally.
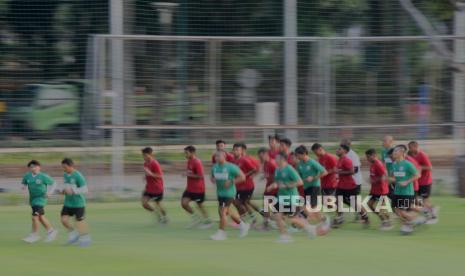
(128, 242)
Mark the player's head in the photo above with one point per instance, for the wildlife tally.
(281, 159)
(371, 155)
(342, 150)
(67, 164)
(390, 153)
(220, 156)
(318, 149)
(387, 141)
(34, 166)
(413, 147)
(147, 153)
(399, 152)
(273, 141)
(220, 144)
(189, 152)
(239, 150)
(347, 142)
(301, 152)
(263, 154)
(284, 145)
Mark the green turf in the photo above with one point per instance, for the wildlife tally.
(127, 242)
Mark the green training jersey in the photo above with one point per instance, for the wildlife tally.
(402, 171)
(287, 175)
(37, 186)
(222, 173)
(387, 160)
(77, 182)
(310, 168)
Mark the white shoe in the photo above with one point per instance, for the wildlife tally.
(32, 238)
(85, 240)
(418, 220)
(205, 225)
(311, 231)
(73, 237)
(244, 229)
(293, 230)
(273, 224)
(220, 235)
(193, 223)
(406, 229)
(51, 236)
(386, 226)
(285, 238)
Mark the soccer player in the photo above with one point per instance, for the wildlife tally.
(346, 186)
(329, 162)
(353, 156)
(285, 148)
(225, 176)
(388, 142)
(74, 204)
(195, 190)
(221, 146)
(246, 188)
(40, 187)
(273, 143)
(379, 187)
(404, 173)
(311, 172)
(269, 168)
(287, 180)
(425, 181)
(153, 185)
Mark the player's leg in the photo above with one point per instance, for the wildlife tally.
(73, 235)
(159, 207)
(284, 236)
(243, 226)
(82, 227)
(430, 211)
(145, 203)
(34, 235)
(205, 221)
(51, 233)
(185, 203)
(223, 204)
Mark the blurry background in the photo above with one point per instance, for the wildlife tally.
(184, 71)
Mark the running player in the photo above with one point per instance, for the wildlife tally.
(269, 168)
(287, 180)
(221, 146)
(353, 156)
(75, 204)
(285, 148)
(346, 186)
(329, 162)
(273, 143)
(40, 187)
(404, 173)
(225, 176)
(153, 185)
(388, 142)
(311, 172)
(379, 187)
(195, 190)
(425, 181)
(246, 188)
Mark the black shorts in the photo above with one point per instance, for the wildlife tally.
(225, 201)
(347, 194)
(244, 195)
(77, 212)
(328, 191)
(358, 189)
(154, 197)
(376, 197)
(197, 197)
(424, 191)
(313, 193)
(37, 211)
(403, 202)
(288, 208)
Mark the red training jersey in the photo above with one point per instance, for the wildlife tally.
(379, 186)
(345, 182)
(229, 157)
(246, 165)
(329, 162)
(269, 169)
(153, 185)
(426, 177)
(416, 184)
(195, 185)
(273, 153)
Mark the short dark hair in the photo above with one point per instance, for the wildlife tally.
(220, 142)
(413, 143)
(301, 150)
(147, 150)
(190, 149)
(275, 137)
(390, 151)
(404, 147)
(346, 141)
(345, 147)
(240, 145)
(370, 152)
(283, 155)
(262, 150)
(286, 141)
(67, 161)
(33, 163)
(316, 146)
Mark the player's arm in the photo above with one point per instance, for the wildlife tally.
(197, 173)
(415, 176)
(80, 187)
(152, 174)
(296, 180)
(346, 171)
(239, 178)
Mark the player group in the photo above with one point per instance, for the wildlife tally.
(300, 192)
